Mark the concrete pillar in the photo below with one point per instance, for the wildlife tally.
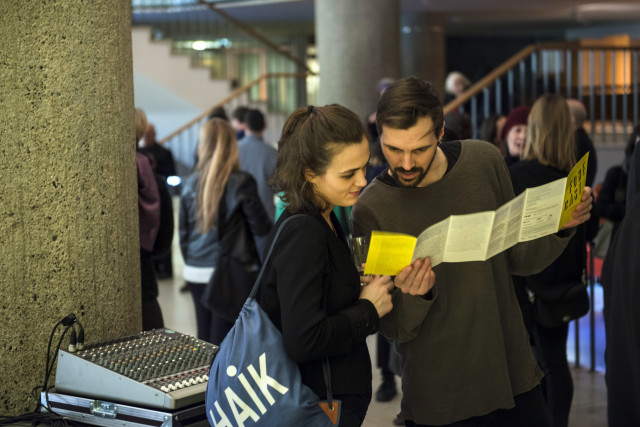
(68, 192)
(299, 45)
(358, 44)
(423, 41)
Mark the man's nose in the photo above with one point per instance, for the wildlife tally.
(407, 162)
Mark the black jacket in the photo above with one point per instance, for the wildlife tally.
(310, 263)
(569, 265)
(567, 268)
(202, 250)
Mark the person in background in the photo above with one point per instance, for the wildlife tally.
(217, 175)
(466, 358)
(455, 85)
(550, 154)
(311, 289)
(259, 159)
(457, 126)
(383, 84)
(149, 226)
(491, 131)
(163, 165)
(237, 121)
(621, 295)
(612, 199)
(633, 183)
(377, 162)
(514, 133)
(162, 159)
(218, 113)
(583, 141)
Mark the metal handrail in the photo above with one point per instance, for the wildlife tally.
(253, 33)
(526, 52)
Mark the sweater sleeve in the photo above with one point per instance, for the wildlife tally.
(301, 263)
(409, 312)
(405, 320)
(532, 257)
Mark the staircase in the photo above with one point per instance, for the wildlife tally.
(175, 83)
(603, 74)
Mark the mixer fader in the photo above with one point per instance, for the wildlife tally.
(159, 368)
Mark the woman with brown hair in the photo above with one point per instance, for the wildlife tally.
(218, 183)
(549, 154)
(311, 289)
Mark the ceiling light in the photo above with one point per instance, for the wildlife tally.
(199, 45)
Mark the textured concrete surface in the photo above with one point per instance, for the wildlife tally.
(358, 44)
(68, 192)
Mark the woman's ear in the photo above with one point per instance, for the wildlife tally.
(310, 176)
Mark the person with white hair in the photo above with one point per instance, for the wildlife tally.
(455, 85)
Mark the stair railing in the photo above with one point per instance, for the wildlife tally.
(183, 140)
(601, 74)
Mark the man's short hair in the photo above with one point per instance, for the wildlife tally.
(406, 101)
(254, 120)
(239, 113)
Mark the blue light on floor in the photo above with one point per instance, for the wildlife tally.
(585, 335)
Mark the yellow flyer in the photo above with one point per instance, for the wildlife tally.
(574, 187)
(537, 212)
(389, 252)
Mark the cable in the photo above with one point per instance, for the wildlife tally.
(67, 321)
(50, 370)
(80, 335)
(50, 416)
(73, 340)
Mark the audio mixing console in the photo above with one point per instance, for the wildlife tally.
(157, 369)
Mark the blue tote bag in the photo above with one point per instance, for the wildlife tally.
(253, 382)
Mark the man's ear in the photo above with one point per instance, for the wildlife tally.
(441, 131)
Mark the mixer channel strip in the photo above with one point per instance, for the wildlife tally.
(157, 369)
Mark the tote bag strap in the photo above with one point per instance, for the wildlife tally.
(326, 368)
(256, 285)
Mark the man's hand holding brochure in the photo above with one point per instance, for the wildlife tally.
(537, 212)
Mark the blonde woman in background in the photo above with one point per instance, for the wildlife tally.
(549, 154)
(217, 178)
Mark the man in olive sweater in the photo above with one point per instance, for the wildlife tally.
(464, 348)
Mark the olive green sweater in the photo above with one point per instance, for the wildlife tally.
(465, 352)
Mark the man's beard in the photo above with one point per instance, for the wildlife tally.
(412, 183)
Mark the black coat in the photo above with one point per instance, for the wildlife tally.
(569, 265)
(241, 194)
(621, 291)
(310, 263)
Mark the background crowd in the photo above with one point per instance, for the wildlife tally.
(401, 153)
